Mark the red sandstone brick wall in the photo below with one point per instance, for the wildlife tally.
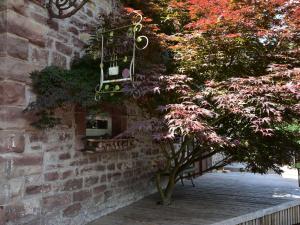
(43, 178)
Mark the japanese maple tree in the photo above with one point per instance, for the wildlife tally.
(229, 83)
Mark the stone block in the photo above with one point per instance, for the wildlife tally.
(17, 47)
(79, 144)
(73, 184)
(108, 195)
(64, 136)
(2, 216)
(72, 210)
(79, 162)
(64, 156)
(116, 176)
(3, 38)
(14, 212)
(53, 202)
(23, 165)
(100, 168)
(98, 199)
(128, 173)
(15, 69)
(25, 171)
(4, 164)
(35, 148)
(78, 43)
(53, 148)
(39, 18)
(3, 21)
(5, 190)
(25, 27)
(39, 56)
(100, 189)
(77, 23)
(59, 60)
(89, 13)
(28, 160)
(37, 189)
(39, 2)
(90, 181)
(11, 142)
(93, 159)
(74, 30)
(67, 174)
(39, 136)
(82, 195)
(51, 176)
(53, 167)
(22, 209)
(19, 6)
(111, 166)
(3, 5)
(86, 170)
(12, 93)
(80, 122)
(33, 179)
(53, 25)
(50, 158)
(62, 37)
(63, 48)
(103, 178)
(35, 221)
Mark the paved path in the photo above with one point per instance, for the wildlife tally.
(216, 197)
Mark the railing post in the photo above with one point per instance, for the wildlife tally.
(298, 176)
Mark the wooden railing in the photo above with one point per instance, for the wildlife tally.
(290, 216)
(285, 214)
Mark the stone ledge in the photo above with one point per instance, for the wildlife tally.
(108, 145)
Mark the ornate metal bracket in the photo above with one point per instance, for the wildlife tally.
(111, 74)
(62, 9)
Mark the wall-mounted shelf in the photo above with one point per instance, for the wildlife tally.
(108, 145)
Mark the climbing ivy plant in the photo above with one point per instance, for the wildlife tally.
(56, 87)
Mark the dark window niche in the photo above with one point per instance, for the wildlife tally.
(102, 132)
(97, 124)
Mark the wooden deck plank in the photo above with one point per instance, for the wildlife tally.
(215, 198)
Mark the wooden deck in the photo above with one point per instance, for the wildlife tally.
(216, 197)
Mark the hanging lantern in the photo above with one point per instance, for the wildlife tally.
(61, 9)
(118, 53)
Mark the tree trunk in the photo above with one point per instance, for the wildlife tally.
(169, 190)
(166, 194)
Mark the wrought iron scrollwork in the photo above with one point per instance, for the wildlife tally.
(111, 75)
(62, 9)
